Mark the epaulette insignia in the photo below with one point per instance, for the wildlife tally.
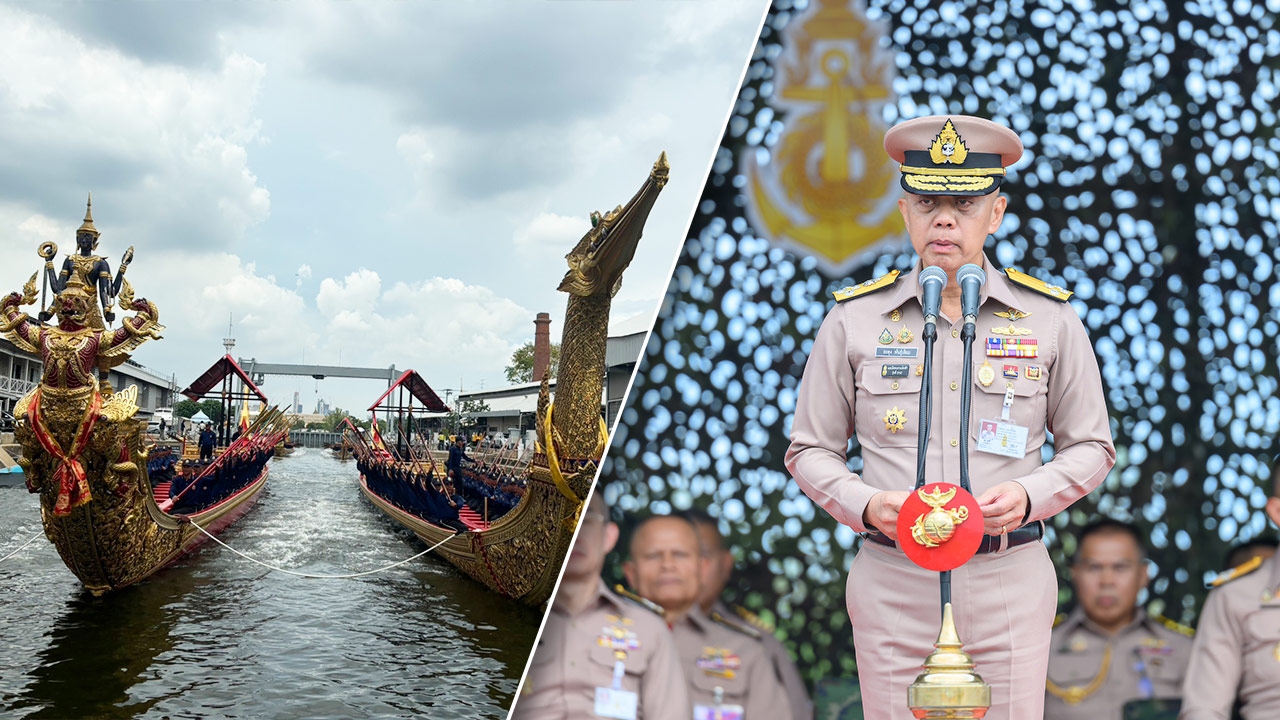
(870, 286)
(1175, 626)
(1059, 619)
(643, 602)
(1236, 572)
(752, 619)
(719, 619)
(1060, 294)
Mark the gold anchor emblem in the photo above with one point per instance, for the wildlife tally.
(822, 189)
(937, 526)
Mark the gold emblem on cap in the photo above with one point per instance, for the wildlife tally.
(937, 526)
(986, 374)
(895, 315)
(948, 147)
(895, 420)
(905, 335)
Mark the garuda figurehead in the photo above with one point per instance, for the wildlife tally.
(72, 306)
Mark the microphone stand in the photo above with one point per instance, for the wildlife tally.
(929, 335)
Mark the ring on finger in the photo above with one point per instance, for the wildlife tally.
(1004, 529)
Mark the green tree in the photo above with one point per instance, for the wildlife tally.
(185, 408)
(521, 368)
(212, 408)
(334, 419)
(462, 417)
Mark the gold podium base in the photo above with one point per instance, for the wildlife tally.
(948, 687)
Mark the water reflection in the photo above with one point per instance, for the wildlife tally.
(217, 635)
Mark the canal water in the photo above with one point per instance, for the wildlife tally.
(219, 636)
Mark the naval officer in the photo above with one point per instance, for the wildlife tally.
(729, 676)
(1236, 655)
(716, 571)
(1034, 372)
(600, 655)
(1109, 651)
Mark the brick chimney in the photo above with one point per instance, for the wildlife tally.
(541, 345)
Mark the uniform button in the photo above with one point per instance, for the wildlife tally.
(955, 385)
(954, 442)
(955, 333)
(894, 385)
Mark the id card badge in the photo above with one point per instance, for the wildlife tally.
(617, 704)
(614, 702)
(1002, 438)
(718, 712)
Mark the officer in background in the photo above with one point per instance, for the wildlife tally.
(1108, 651)
(601, 655)
(1237, 650)
(716, 573)
(729, 676)
(1242, 552)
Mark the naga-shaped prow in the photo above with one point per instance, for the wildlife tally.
(595, 272)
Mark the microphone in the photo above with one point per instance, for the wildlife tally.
(933, 280)
(970, 277)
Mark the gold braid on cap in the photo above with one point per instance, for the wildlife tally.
(944, 183)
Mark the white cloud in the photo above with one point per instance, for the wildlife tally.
(76, 116)
(549, 231)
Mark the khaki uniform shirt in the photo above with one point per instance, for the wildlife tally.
(577, 654)
(714, 656)
(854, 383)
(1145, 659)
(783, 667)
(1237, 650)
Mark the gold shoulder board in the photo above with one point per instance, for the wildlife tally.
(719, 619)
(1058, 619)
(1175, 626)
(1057, 293)
(1236, 572)
(643, 602)
(752, 619)
(866, 288)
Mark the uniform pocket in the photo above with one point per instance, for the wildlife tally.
(1262, 644)
(1030, 383)
(635, 663)
(888, 404)
(714, 670)
(1077, 669)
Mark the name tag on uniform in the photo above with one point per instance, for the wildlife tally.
(718, 712)
(897, 352)
(895, 370)
(1002, 438)
(617, 704)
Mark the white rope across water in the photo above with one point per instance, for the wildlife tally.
(322, 577)
(22, 546)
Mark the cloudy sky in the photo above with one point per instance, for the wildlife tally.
(362, 184)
